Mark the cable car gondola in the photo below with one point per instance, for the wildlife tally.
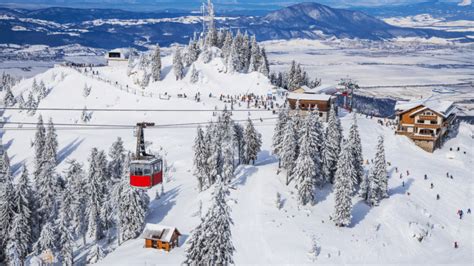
(146, 170)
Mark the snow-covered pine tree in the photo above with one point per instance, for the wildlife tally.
(253, 142)
(35, 86)
(65, 238)
(201, 155)
(21, 101)
(289, 152)
(8, 98)
(31, 104)
(264, 67)
(23, 218)
(332, 146)
(96, 253)
(7, 210)
(214, 162)
(194, 76)
(86, 91)
(75, 181)
(356, 146)
(47, 240)
(51, 144)
(227, 46)
(156, 64)
(211, 36)
(254, 55)
(227, 161)
(244, 53)
(278, 202)
(43, 91)
(278, 133)
(192, 53)
(117, 159)
(178, 66)
(12, 252)
(95, 187)
(39, 146)
(378, 180)
(239, 141)
(216, 226)
(305, 168)
(343, 188)
(233, 61)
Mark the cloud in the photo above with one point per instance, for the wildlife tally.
(465, 3)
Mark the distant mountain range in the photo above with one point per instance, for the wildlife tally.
(110, 28)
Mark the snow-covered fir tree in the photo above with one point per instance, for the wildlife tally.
(95, 187)
(65, 238)
(277, 140)
(233, 61)
(48, 238)
(332, 146)
(117, 160)
(96, 253)
(194, 75)
(43, 91)
(239, 141)
(289, 150)
(86, 115)
(214, 162)
(156, 64)
(227, 162)
(23, 222)
(227, 46)
(178, 66)
(356, 146)
(211, 36)
(7, 211)
(192, 53)
(343, 187)
(378, 188)
(8, 98)
(21, 101)
(75, 180)
(253, 142)
(264, 67)
(201, 155)
(86, 91)
(38, 145)
(216, 226)
(305, 168)
(254, 64)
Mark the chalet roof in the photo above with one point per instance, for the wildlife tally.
(444, 108)
(158, 232)
(309, 96)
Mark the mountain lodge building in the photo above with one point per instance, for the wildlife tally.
(427, 122)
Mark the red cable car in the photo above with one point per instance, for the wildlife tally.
(146, 170)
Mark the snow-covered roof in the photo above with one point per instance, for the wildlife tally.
(309, 96)
(158, 232)
(444, 108)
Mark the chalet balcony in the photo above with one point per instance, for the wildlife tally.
(423, 125)
(428, 117)
(423, 137)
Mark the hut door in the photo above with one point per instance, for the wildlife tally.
(154, 244)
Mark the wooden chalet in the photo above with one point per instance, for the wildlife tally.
(311, 101)
(425, 122)
(160, 237)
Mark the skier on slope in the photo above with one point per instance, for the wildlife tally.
(460, 213)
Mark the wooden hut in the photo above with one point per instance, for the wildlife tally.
(310, 101)
(160, 237)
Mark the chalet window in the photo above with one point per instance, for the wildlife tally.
(433, 122)
(320, 114)
(421, 121)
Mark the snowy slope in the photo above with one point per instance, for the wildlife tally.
(262, 234)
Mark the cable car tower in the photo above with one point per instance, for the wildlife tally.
(146, 170)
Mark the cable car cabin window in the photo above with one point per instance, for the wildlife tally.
(137, 170)
(147, 170)
(157, 167)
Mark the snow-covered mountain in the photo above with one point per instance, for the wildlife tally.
(110, 28)
(406, 227)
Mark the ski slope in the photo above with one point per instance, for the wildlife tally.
(262, 234)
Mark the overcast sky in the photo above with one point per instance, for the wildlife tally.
(192, 4)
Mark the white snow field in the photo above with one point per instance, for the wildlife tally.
(262, 234)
